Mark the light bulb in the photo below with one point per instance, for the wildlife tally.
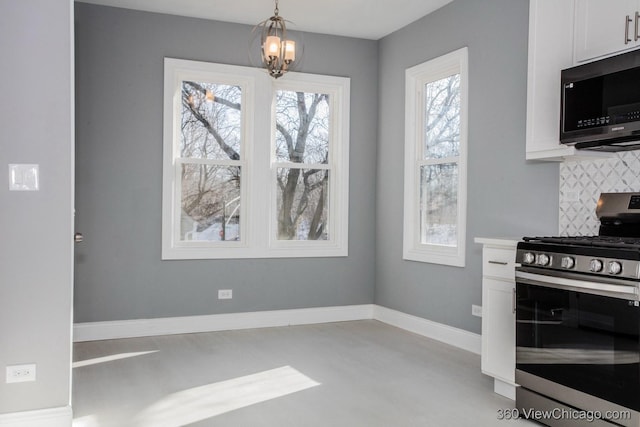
(272, 46)
(289, 50)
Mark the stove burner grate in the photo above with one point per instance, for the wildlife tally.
(597, 241)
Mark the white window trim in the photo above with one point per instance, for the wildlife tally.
(258, 230)
(416, 78)
(338, 90)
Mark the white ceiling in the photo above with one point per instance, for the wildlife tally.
(369, 19)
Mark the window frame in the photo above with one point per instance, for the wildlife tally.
(257, 157)
(338, 165)
(416, 78)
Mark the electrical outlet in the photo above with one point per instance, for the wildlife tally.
(476, 310)
(225, 293)
(21, 373)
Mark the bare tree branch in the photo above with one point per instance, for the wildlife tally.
(233, 154)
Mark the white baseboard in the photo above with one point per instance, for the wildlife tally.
(53, 417)
(453, 336)
(95, 331)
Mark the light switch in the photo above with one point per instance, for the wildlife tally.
(23, 177)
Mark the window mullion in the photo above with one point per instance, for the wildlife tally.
(292, 165)
(438, 161)
(212, 162)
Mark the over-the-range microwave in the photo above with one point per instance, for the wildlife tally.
(600, 104)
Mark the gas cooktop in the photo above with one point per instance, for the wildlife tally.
(598, 241)
(615, 252)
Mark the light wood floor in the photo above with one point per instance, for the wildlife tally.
(362, 373)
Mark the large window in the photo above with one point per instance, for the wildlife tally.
(253, 167)
(435, 160)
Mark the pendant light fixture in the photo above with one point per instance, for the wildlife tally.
(277, 48)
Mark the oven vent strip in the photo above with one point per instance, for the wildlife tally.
(543, 280)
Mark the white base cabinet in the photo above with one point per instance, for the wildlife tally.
(498, 355)
(498, 332)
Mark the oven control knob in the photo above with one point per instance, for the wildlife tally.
(614, 267)
(568, 262)
(543, 259)
(595, 265)
(528, 258)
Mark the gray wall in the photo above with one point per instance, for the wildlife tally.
(119, 111)
(506, 195)
(119, 274)
(36, 227)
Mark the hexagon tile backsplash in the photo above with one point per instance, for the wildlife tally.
(581, 183)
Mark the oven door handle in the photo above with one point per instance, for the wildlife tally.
(606, 289)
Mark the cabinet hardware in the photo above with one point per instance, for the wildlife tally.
(636, 36)
(498, 262)
(513, 301)
(627, 21)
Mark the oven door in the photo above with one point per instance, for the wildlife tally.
(577, 335)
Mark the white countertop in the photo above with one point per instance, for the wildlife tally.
(498, 241)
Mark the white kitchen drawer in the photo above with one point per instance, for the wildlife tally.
(499, 263)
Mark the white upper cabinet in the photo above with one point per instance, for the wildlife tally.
(605, 27)
(550, 50)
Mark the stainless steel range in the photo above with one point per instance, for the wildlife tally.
(578, 321)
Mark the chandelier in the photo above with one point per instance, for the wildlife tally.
(277, 49)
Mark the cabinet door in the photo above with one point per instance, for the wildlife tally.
(550, 50)
(602, 28)
(498, 358)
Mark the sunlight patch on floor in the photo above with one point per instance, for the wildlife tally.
(86, 421)
(110, 358)
(199, 403)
